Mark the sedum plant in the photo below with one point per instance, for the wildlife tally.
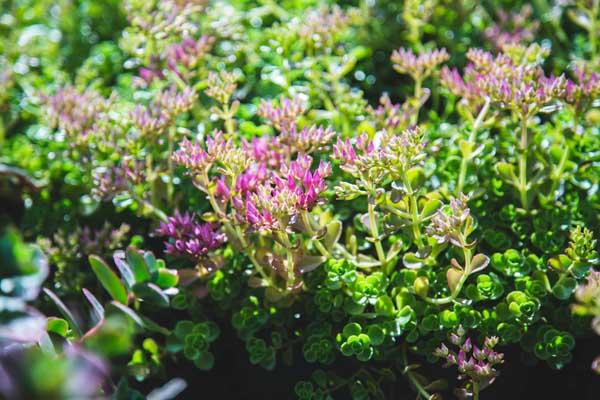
(388, 198)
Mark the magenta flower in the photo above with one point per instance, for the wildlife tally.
(148, 74)
(283, 116)
(193, 157)
(472, 362)
(385, 155)
(523, 88)
(188, 52)
(162, 111)
(109, 182)
(265, 150)
(268, 201)
(513, 28)
(260, 220)
(307, 140)
(465, 87)
(585, 90)
(419, 66)
(76, 112)
(392, 116)
(305, 185)
(189, 238)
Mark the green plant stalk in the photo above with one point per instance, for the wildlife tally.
(468, 255)
(171, 169)
(375, 233)
(229, 123)
(411, 377)
(2, 132)
(261, 271)
(414, 212)
(318, 245)
(472, 136)
(523, 164)
(148, 205)
(475, 390)
(417, 98)
(557, 173)
(241, 239)
(285, 240)
(592, 14)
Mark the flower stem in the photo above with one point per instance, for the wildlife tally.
(475, 390)
(148, 205)
(472, 136)
(411, 377)
(229, 123)
(170, 187)
(557, 173)
(593, 29)
(417, 98)
(414, 212)
(468, 255)
(523, 164)
(375, 233)
(318, 245)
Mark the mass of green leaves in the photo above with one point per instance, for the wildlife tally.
(152, 214)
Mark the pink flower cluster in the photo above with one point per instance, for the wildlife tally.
(189, 238)
(277, 199)
(188, 53)
(448, 220)
(391, 116)
(265, 183)
(76, 112)
(109, 182)
(419, 66)
(284, 116)
(521, 87)
(387, 154)
(472, 362)
(463, 86)
(513, 28)
(586, 87)
(162, 111)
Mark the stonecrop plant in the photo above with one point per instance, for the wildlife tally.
(369, 199)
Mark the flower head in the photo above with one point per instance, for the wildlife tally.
(162, 111)
(386, 155)
(585, 89)
(76, 112)
(472, 362)
(193, 157)
(390, 116)
(307, 140)
(188, 52)
(320, 26)
(462, 86)
(512, 28)
(448, 221)
(283, 116)
(272, 200)
(221, 86)
(521, 87)
(186, 237)
(419, 66)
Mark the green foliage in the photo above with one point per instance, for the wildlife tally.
(319, 186)
(194, 340)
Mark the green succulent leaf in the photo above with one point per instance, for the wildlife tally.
(109, 280)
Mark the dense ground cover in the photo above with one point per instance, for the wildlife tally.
(299, 199)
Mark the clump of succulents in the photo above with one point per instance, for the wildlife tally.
(333, 193)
